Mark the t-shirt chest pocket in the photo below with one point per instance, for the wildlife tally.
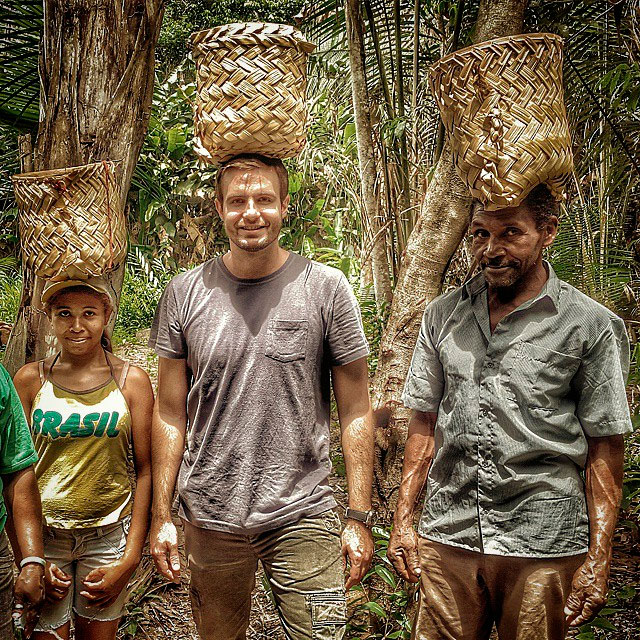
(286, 340)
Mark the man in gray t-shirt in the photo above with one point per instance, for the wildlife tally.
(249, 345)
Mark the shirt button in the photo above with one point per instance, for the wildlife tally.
(490, 365)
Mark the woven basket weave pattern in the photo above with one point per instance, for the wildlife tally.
(251, 81)
(71, 224)
(502, 106)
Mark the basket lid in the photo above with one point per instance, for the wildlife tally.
(251, 33)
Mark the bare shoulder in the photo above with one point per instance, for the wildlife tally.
(27, 377)
(137, 386)
(138, 377)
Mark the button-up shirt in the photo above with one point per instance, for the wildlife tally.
(514, 409)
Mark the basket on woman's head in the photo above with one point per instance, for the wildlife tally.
(71, 222)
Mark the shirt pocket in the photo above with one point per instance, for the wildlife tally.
(539, 377)
(552, 526)
(287, 340)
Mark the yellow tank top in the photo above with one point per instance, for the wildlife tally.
(82, 440)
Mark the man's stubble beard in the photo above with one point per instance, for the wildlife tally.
(262, 244)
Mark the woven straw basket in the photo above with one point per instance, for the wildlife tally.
(71, 223)
(251, 80)
(502, 106)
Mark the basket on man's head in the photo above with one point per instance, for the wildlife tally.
(251, 91)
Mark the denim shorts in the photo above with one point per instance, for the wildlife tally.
(77, 552)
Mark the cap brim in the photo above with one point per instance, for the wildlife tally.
(54, 287)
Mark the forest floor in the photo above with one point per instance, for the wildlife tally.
(160, 610)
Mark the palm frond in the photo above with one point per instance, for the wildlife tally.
(21, 24)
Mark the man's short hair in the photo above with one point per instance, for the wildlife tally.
(539, 201)
(248, 161)
(542, 205)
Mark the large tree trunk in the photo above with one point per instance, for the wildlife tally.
(97, 72)
(366, 153)
(440, 228)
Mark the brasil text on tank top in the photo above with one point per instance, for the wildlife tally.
(82, 440)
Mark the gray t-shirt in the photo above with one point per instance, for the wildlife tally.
(259, 353)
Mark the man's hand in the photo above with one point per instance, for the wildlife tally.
(403, 552)
(588, 591)
(104, 584)
(28, 595)
(56, 583)
(357, 548)
(163, 541)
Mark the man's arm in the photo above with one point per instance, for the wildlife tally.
(25, 511)
(418, 455)
(167, 446)
(351, 390)
(603, 490)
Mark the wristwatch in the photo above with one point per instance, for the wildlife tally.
(366, 517)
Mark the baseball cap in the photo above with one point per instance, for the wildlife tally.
(96, 283)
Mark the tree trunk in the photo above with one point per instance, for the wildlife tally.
(97, 73)
(440, 228)
(366, 154)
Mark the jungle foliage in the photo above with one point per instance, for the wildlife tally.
(173, 221)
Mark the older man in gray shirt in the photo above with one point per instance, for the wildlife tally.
(518, 386)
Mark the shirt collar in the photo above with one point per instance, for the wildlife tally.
(550, 291)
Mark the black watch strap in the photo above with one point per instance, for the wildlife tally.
(366, 517)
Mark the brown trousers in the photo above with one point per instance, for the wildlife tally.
(463, 593)
(302, 561)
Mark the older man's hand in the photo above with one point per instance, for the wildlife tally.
(403, 552)
(588, 591)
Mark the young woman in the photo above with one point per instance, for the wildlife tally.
(86, 407)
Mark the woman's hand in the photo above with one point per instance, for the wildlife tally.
(56, 583)
(104, 584)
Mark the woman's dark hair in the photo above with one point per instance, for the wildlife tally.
(105, 340)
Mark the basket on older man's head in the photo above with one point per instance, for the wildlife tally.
(502, 105)
(251, 91)
(71, 222)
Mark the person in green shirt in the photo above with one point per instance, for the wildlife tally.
(20, 501)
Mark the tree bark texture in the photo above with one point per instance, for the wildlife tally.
(366, 153)
(97, 74)
(436, 236)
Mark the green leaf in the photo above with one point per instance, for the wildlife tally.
(607, 611)
(175, 138)
(349, 133)
(375, 608)
(380, 532)
(626, 592)
(603, 623)
(295, 182)
(386, 575)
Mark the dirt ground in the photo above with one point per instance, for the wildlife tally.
(160, 610)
